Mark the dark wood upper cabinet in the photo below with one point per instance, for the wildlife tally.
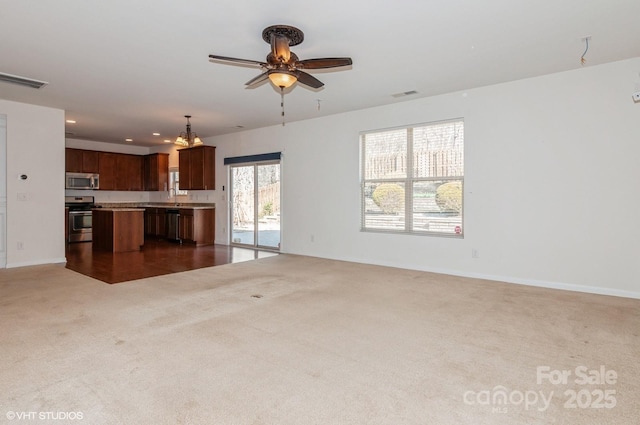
(73, 160)
(156, 171)
(119, 171)
(108, 170)
(197, 167)
(90, 162)
(129, 174)
(81, 161)
(184, 168)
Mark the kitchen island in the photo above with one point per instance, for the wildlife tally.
(118, 229)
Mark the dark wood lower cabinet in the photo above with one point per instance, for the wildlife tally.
(155, 222)
(195, 226)
(118, 230)
(186, 225)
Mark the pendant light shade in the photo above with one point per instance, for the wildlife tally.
(282, 79)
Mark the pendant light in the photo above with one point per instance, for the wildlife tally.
(188, 139)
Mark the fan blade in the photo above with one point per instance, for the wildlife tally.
(260, 78)
(321, 63)
(308, 80)
(238, 61)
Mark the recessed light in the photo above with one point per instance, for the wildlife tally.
(167, 141)
(128, 140)
(156, 134)
(70, 121)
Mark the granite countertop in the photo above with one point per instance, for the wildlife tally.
(143, 205)
(118, 209)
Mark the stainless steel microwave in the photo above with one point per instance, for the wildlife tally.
(82, 181)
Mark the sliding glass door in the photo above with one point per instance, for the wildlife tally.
(255, 205)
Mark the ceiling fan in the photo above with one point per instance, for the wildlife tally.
(282, 66)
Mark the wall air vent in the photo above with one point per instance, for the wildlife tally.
(22, 81)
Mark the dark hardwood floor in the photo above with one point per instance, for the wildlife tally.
(157, 257)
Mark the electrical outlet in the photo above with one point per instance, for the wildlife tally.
(474, 253)
(313, 238)
(20, 245)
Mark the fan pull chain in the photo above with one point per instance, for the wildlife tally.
(282, 103)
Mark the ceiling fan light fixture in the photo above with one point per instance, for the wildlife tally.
(280, 48)
(282, 79)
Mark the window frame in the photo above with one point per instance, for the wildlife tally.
(174, 182)
(408, 181)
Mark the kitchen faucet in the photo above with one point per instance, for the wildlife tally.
(173, 193)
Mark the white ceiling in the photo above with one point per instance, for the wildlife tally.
(128, 68)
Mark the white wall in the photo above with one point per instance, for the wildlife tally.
(550, 188)
(105, 147)
(3, 191)
(35, 206)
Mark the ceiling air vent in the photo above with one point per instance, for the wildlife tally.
(21, 81)
(405, 93)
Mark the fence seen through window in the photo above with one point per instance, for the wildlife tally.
(412, 179)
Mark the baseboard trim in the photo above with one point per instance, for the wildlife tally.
(556, 285)
(37, 262)
(612, 292)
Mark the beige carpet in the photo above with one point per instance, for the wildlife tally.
(300, 340)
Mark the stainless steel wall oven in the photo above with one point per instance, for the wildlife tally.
(80, 218)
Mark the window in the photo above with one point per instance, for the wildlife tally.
(174, 182)
(412, 179)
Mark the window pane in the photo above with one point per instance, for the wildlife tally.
(384, 206)
(269, 205)
(438, 150)
(428, 160)
(385, 155)
(437, 206)
(174, 184)
(242, 207)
